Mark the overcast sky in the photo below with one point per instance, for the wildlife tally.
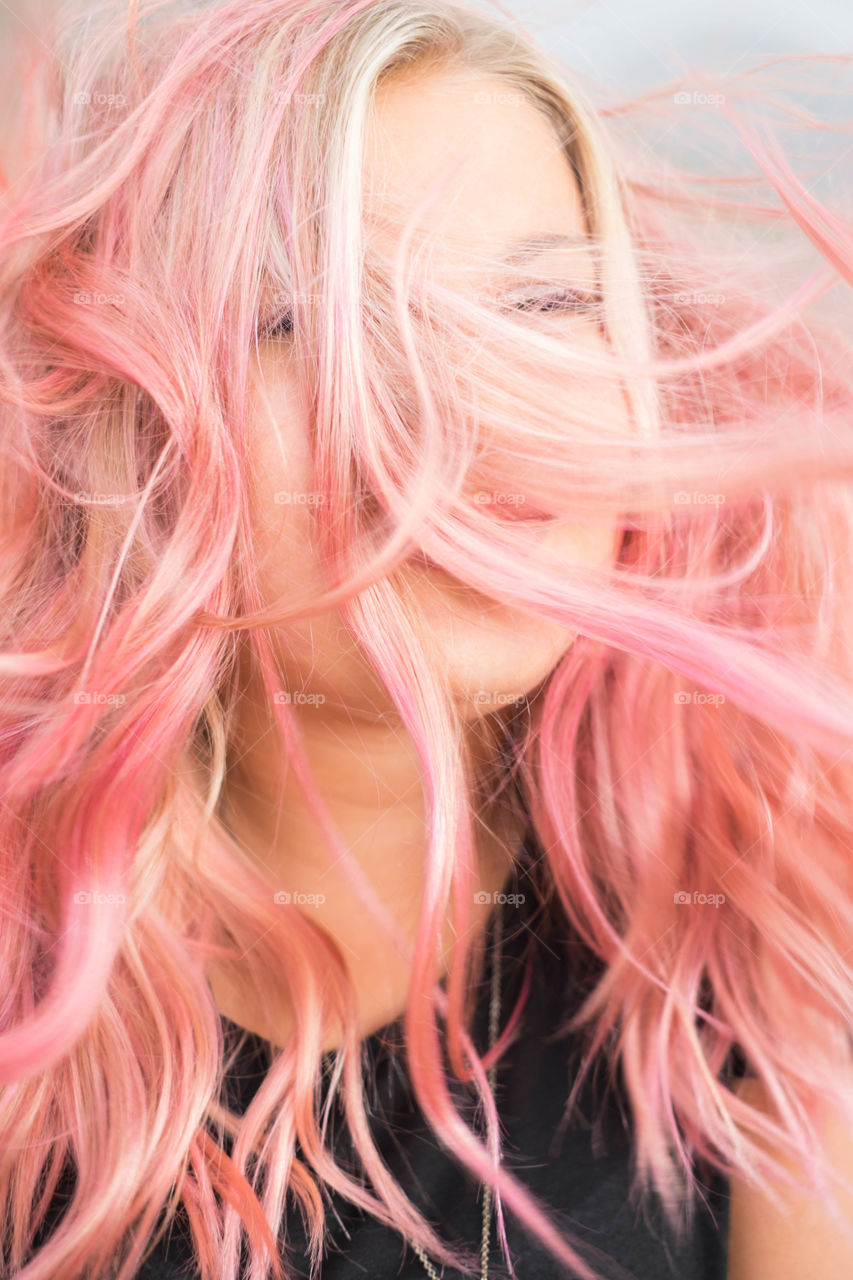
(628, 46)
(640, 40)
(635, 43)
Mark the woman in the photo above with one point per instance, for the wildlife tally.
(427, 693)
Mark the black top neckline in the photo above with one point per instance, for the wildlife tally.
(517, 936)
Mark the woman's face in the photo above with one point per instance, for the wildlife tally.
(516, 183)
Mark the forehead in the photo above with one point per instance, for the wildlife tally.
(510, 176)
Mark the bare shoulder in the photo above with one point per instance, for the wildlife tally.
(801, 1241)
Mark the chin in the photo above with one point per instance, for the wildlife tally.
(491, 654)
(494, 685)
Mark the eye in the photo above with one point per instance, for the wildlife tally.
(580, 300)
(282, 327)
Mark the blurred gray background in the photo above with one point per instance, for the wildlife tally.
(620, 48)
(632, 44)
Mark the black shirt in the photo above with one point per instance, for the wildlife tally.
(583, 1176)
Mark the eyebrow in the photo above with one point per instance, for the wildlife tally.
(521, 250)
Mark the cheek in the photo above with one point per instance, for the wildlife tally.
(594, 545)
(280, 492)
(315, 654)
(281, 480)
(476, 643)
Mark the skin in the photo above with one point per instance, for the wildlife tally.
(520, 184)
(517, 182)
(800, 1240)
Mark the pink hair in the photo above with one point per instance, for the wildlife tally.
(181, 178)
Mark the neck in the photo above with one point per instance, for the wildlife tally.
(369, 777)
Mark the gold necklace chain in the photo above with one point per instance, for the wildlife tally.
(491, 1075)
